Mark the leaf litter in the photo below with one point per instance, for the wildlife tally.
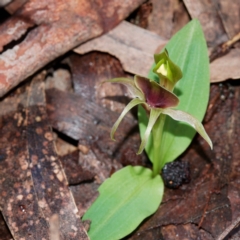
(203, 209)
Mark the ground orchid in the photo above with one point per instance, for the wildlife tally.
(133, 193)
(157, 98)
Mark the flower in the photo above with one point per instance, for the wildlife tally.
(157, 100)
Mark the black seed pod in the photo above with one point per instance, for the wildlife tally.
(175, 174)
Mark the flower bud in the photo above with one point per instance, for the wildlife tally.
(169, 73)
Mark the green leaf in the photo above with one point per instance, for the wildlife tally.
(188, 49)
(128, 197)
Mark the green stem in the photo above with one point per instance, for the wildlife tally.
(157, 133)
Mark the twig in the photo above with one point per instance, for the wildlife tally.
(229, 229)
(223, 49)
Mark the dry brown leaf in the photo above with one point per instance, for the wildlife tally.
(226, 67)
(136, 56)
(33, 184)
(18, 202)
(230, 16)
(49, 180)
(132, 45)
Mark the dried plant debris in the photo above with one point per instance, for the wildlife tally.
(19, 203)
(135, 56)
(58, 27)
(88, 114)
(74, 170)
(230, 16)
(226, 67)
(115, 43)
(33, 182)
(141, 15)
(48, 176)
(84, 195)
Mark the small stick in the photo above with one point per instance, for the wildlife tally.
(229, 229)
(224, 48)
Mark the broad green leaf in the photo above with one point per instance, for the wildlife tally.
(125, 200)
(188, 49)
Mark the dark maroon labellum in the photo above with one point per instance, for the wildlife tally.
(156, 96)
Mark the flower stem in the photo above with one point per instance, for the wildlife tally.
(157, 133)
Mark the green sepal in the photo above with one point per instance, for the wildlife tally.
(130, 105)
(129, 83)
(189, 119)
(166, 69)
(154, 114)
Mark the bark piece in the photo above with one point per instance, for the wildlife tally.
(15, 5)
(48, 177)
(33, 185)
(226, 67)
(88, 73)
(132, 45)
(87, 121)
(62, 25)
(18, 201)
(74, 171)
(141, 15)
(79, 118)
(90, 116)
(206, 12)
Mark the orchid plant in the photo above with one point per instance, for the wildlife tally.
(159, 100)
(134, 193)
